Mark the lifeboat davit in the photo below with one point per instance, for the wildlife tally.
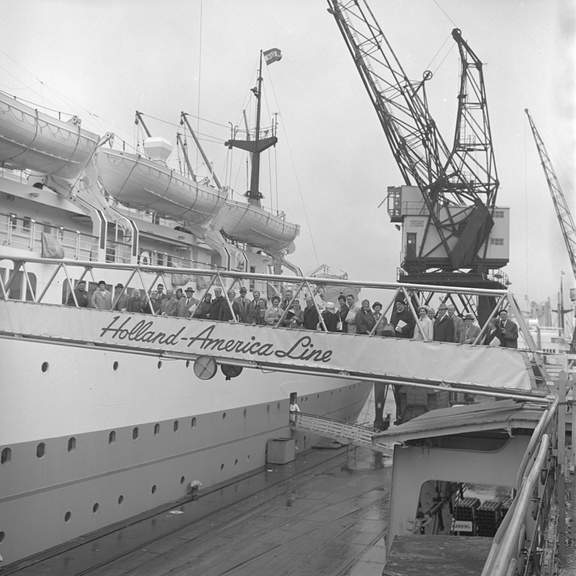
(148, 183)
(36, 141)
(256, 226)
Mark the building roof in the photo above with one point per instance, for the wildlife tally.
(494, 415)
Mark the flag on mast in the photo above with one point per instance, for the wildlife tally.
(272, 55)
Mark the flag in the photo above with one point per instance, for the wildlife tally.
(272, 55)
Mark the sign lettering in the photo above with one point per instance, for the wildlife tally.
(207, 340)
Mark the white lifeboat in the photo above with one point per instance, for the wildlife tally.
(147, 183)
(36, 141)
(256, 226)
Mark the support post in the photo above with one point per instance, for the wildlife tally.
(561, 458)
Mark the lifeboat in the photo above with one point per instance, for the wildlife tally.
(253, 225)
(36, 141)
(148, 183)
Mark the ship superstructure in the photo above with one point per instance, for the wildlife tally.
(105, 436)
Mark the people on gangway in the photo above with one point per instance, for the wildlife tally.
(444, 326)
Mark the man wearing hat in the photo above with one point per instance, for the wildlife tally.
(444, 329)
(469, 331)
(241, 306)
(188, 304)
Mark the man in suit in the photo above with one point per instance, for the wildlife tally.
(241, 306)
(470, 330)
(508, 330)
(187, 304)
(444, 329)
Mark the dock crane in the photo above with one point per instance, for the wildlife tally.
(449, 194)
(563, 213)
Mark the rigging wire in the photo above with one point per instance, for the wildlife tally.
(445, 13)
(298, 184)
(199, 93)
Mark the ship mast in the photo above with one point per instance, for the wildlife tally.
(256, 146)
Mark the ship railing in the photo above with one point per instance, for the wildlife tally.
(532, 536)
(400, 302)
(118, 252)
(29, 234)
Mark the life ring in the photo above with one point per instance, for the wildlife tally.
(145, 258)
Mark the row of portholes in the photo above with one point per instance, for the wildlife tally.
(6, 454)
(136, 429)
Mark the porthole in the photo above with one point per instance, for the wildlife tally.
(221, 466)
(156, 429)
(44, 366)
(277, 405)
(71, 444)
(182, 479)
(135, 433)
(40, 450)
(268, 408)
(120, 499)
(95, 507)
(175, 426)
(193, 422)
(235, 461)
(6, 455)
(115, 366)
(67, 516)
(223, 415)
(153, 490)
(159, 364)
(317, 395)
(2, 536)
(112, 437)
(245, 412)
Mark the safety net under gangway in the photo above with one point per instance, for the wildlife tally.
(391, 360)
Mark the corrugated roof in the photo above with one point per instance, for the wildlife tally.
(492, 415)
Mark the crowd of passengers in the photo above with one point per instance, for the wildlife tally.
(349, 316)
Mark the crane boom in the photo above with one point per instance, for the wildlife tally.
(457, 187)
(473, 153)
(560, 205)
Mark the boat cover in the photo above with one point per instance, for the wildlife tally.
(32, 140)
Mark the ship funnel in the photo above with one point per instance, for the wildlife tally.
(157, 148)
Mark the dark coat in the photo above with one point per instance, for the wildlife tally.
(331, 320)
(364, 321)
(311, 318)
(404, 329)
(508, 333)
(444, 329)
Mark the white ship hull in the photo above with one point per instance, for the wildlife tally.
(169, 429)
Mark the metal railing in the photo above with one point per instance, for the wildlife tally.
(28, 234)
(531, 539)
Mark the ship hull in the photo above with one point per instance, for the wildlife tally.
(106, 436)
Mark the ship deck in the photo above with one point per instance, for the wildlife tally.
(324, 514)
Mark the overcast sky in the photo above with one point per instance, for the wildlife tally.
(104, 59)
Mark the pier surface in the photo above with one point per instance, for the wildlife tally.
(324, 514)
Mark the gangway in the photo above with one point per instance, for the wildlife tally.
(355, 434)
(480, 369)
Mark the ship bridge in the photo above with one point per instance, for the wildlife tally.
(33, 291)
